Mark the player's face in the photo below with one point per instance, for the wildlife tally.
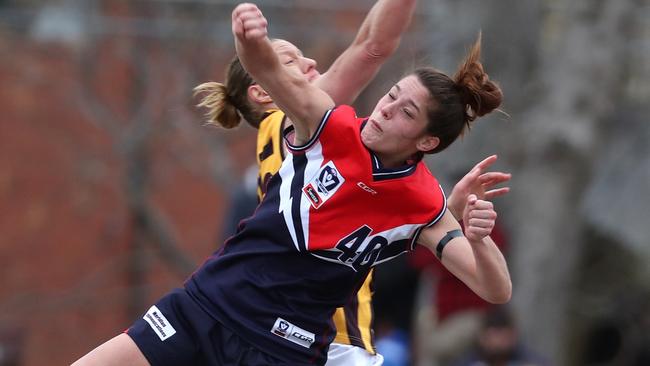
(290, 56)
(398, 122)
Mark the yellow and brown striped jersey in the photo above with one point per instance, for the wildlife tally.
(353, 321)
(269, 148)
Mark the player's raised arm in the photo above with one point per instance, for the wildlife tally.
(377, 39)
(303, 102)
(472, 257)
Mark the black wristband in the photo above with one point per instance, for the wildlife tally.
(445, 239)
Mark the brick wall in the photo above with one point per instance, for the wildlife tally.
(66, 231)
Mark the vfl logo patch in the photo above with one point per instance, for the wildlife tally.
(293, 333)
(323, 186)
(159, 323)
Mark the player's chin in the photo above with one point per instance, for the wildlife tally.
(369, 141)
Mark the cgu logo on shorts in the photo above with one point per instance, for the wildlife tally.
(293, 333)
(323, 186)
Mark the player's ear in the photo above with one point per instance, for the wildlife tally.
(258, 95)
(427, 143)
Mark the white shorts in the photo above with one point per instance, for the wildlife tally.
(346, 355)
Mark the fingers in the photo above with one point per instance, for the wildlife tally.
(237, 26)
(481, 224)
(482, 214)
(486, 163)
(477, 233)
(479, 218)
(496, 192)
(476, 174)
(248, 22)
(238, 11)
(468, 180)
(473, 174)
(243, 8)
(481, 210)
(480, 204)
(492, 178)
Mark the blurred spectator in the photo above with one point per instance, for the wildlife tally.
(242, 204)
(393, 345)
(498, 343)
(394, 287)
(11, 346)
(448, 314)
(621, 337)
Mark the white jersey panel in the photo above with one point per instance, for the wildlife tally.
(314, 162)
(286, 173)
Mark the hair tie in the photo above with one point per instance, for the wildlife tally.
(229, 99)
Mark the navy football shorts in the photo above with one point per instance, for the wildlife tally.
(176, 331)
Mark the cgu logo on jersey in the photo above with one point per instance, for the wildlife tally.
(366, 188)
(324, 184)
(293, 333)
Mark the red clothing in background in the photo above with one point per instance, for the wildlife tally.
(451, 294)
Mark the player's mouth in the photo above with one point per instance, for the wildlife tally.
(375, 125)
(313, 76)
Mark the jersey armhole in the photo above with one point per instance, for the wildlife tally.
(296, 149)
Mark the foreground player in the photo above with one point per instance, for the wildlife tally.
(318, 231)
(255, 103)
(376, 40)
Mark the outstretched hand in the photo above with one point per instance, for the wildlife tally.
(478, 183)
(248, 22)
(479, 218)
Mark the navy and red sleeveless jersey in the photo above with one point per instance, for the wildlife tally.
(329, 215)
(353, 321)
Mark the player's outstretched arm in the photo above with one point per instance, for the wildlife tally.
(377, 39)
(304, 103)
(478, 182)
(473, 258)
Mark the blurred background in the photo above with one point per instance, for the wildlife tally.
(112, 190)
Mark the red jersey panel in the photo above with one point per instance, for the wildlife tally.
(351, 209)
